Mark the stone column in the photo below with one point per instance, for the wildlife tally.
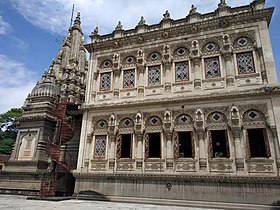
(167, 65)
(202, 151)
(112, 151)
(229, 68)
(140, 82)
(167, 71)
(169, 151)
(196, 59)
(239, 154)
(140, 70)
(276, 147)
(262, 64)
(116, 83)
(227, 56)
(139, 153)
(197, 72)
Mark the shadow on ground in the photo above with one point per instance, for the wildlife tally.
(91, 195)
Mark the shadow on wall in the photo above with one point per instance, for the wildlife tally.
(276, 205)
(91, 195)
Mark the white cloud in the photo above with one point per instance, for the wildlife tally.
(20, 44)
(54, 15)
(4, 26)
(16, 82)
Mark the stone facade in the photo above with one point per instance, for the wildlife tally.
(183, 109)
(192, 99)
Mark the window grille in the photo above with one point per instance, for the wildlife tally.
(105, 81)
(245, 63)
(128, 78)
(154, 75)
(212, 67)
(100, 146)
(182, 71)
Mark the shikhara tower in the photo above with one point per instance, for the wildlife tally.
(184, 109)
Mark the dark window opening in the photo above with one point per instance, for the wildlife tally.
(185, 145)
(1, 167)
(219, 144)
(126, 146)
(257, 142)
(154, 145)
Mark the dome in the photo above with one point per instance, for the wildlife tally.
(45, 88)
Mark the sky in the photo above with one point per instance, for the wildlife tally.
(31, 32)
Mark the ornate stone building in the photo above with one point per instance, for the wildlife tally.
(184, 109)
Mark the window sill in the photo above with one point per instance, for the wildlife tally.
(247, 75)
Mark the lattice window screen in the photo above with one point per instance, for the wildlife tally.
(119, 146)
(176, 145)
(146, 139)
(210, 148)
(193, 147)
(268, 154)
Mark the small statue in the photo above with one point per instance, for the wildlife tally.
(193, 9)
(222, 3)
(119, 26)
(95, 31)
(166, 15)
(142, 21)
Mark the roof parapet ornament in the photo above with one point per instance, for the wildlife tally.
(119, 26)
(166, 15)
(95, 31)
(222, 4)
(193, 10)
(142, 21)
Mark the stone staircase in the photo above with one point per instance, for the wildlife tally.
(61, 160)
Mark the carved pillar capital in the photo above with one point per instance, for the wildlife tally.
(236, 132)
(141, 68)
(196, 60)
(139, 136)
(200, 134)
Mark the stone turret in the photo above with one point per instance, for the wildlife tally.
(71, 65)
(46, 111)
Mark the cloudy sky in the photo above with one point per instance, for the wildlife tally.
(31, 32)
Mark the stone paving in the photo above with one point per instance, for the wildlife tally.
(15, 202)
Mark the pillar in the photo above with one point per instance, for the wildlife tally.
(239, 151)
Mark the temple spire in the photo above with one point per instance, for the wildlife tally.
(77, 21)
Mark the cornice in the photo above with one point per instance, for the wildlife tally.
(204, 179)
(209, 21)
(36, 118)
(264, 91)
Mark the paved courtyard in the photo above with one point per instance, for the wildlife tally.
(15, 202)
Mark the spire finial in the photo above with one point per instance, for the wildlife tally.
(77, 21)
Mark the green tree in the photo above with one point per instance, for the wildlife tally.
(8, 131)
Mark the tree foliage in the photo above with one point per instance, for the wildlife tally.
(8, 132)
